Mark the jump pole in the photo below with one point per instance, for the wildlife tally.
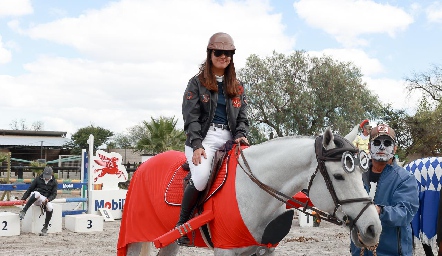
(90, 141)
(57, 200)
(59, 181)
(83, 175)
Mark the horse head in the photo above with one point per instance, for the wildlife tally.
(345, 197)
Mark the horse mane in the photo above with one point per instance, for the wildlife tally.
(287, 138)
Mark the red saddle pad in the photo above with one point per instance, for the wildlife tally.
(174, 190)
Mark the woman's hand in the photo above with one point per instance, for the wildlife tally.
(196, 158)
(244, 139)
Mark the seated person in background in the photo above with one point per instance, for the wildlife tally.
(361, 141)
(41, 192)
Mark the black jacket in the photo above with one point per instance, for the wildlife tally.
(38, 184)
(199, 105)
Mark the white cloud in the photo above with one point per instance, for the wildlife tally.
(389, 91)
(5, 55)
(394, 92)
(434, 12)
(348, 20)
(137, 31)
(369, 66)
(137, 57)
(104, 93)
(15, 7)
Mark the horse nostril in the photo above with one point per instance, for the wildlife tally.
(370, 231)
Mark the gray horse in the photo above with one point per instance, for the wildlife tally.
(283, 165)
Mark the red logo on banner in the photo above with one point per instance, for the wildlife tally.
(109, 166)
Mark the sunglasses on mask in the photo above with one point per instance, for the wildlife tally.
(386, 143)
(218, 53)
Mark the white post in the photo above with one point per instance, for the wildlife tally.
(83, 193)
(90, 141)
(59, 165)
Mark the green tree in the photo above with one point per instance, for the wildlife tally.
(80, 138)
(426, 131)
(429, 83)
(424, 126)
(3, 157)
(300, 95)
(121, 140)
(21, 125)
(161, 135)
(136, 133)
(256, 134)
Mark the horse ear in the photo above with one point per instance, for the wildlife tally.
(327, 139)
(352, 135)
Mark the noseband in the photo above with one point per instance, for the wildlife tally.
(335, 154)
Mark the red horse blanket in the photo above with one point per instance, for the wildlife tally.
(147, 216)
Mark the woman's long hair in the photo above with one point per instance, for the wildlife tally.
(207, 78)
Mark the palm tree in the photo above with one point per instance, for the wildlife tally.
(161, 135)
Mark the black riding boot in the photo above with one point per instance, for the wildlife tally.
(190, 198)
(30, 201)
(44, 231)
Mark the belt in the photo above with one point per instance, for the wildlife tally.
(221, 126)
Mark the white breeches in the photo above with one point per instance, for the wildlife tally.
(214, 139)
(40, 199)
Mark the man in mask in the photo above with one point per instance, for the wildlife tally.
(396, 195)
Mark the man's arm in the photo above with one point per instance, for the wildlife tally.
(30, 189)
(54, 191)
(406, 203)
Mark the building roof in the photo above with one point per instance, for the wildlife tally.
(32, 138)
(33, 133)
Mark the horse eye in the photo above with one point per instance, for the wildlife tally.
(338, 176)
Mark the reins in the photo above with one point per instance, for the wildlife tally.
(322, 155)
(283, 197)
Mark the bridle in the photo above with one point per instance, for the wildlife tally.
(344, 149)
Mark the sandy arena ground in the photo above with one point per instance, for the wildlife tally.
(328, 239)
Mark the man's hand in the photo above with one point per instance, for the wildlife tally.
(196, 158)
(378, 209)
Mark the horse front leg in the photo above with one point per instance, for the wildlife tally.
(147, 248)
(170, 250)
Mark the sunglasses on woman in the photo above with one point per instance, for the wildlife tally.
(218, 53)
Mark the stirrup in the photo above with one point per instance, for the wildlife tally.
(184, 241)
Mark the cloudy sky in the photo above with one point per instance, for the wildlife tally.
(112, 64)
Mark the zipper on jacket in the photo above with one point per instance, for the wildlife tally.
(211, 115)
(228, 102)
(399, 246)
